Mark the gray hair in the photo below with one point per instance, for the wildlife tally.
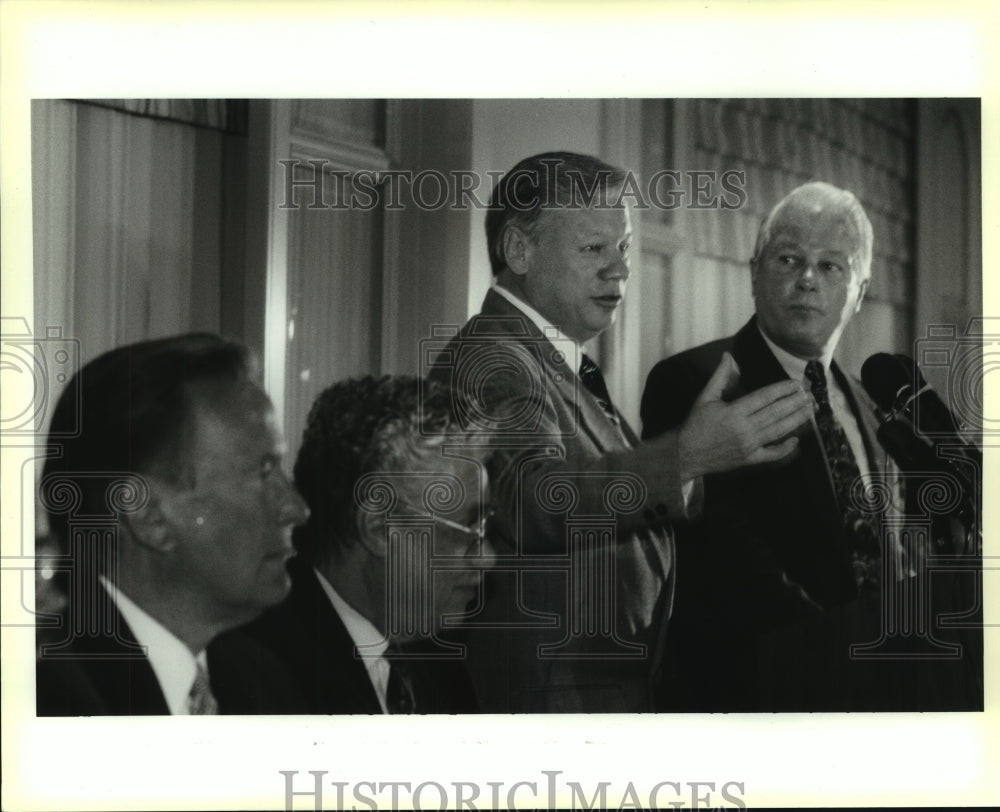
(829, 197)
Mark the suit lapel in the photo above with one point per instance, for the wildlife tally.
(343, 675)
(590, 416)
(759, 368)
(126, 683)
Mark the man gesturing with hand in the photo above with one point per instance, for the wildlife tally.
(576, 613)
(719, 436)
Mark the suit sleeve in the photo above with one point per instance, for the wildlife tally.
(542, 461)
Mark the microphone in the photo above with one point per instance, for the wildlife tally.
(914, 422)
(898, 388)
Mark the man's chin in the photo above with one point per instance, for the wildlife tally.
(275, 590)
(599, 325)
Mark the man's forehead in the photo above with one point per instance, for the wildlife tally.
(829, 226)
(583, 219)
(238, 404)
(434, 474)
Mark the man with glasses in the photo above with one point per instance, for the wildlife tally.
(393, 553)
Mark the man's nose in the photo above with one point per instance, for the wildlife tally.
(618, 268)
(294, 510)
(487, 553)
(807, 276)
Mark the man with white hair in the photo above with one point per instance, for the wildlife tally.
(786, 570)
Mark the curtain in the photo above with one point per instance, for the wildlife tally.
(127, 234)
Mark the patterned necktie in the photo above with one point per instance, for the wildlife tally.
(862, 528)
(201, 701)
(399, 697)
(593, 380)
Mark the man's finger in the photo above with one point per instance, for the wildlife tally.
(725, 373)
(795, 404)
(773, 453)
(762, 398)
(785, 424)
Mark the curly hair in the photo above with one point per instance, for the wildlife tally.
(356, 427)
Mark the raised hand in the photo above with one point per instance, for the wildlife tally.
(719, 436)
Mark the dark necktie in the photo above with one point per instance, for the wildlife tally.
(201, 701)
(593, 380)
(399, 696)
(862, 528)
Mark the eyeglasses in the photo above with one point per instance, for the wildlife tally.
(476, 529)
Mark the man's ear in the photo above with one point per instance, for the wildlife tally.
(861, 294)
(150, 525)
(516, 250)
(371, 532)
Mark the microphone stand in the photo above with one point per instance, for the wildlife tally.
(943, 466)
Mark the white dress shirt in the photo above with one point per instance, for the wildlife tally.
(546, 327)
(368, 640)
(172, 661)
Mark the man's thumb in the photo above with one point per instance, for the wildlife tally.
(726, 373)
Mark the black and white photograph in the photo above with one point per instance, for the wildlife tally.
(619, 447)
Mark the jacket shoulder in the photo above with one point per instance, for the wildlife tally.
(701, 360)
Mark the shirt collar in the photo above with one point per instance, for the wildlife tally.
(172, 661)
(547, 328)
(794, 366)
(369, 641)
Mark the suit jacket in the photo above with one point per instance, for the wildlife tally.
(767, 607)
(108, 675)
(307, 635)
(576, 611)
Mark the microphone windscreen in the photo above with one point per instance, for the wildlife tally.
(884, 376)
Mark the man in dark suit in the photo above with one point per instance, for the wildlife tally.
(393, 551)
(164, 488)
(787, 570)
(576, 616)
